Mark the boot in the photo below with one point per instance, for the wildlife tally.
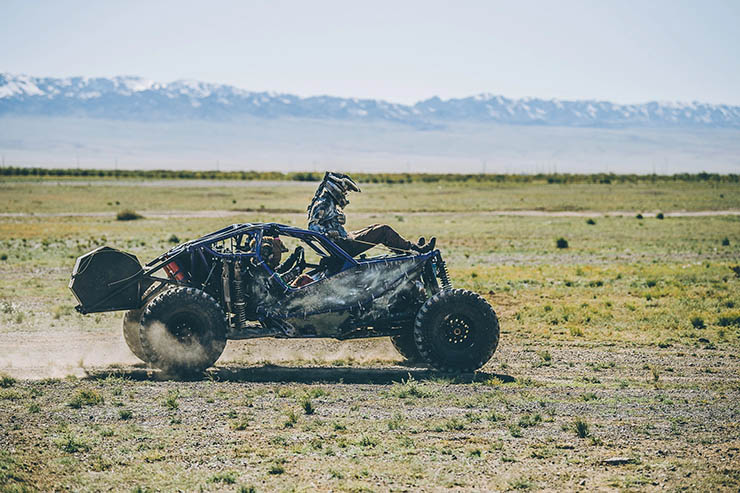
(425, 248)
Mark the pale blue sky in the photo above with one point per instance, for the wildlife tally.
(623, 51)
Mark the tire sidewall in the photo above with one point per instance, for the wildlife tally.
(131, 328)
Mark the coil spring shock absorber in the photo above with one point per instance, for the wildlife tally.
(240, 305)
(442, 273)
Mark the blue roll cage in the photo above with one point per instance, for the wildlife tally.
(256, 231)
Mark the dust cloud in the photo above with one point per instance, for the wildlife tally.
(60, 354)
(311, 351)
(35, 355)
(169, 348)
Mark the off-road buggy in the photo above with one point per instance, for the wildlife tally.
(222, 286)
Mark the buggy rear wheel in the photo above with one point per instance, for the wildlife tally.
(183, 330)
(132, 325)
(406, 346)
(131, 328)
(456, 330)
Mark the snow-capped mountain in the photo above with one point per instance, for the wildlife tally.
(135, 98)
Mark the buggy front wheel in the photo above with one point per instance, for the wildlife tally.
(456, 330)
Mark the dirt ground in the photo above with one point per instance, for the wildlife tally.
(617, 369)
(651, 418)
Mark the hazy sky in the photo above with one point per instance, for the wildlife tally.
(402, 51)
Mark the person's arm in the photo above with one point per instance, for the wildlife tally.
(319, 214)
(325, 219)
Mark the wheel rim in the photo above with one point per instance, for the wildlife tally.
(186, 328)
(457, 332)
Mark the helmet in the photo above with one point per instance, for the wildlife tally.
(337, 193)
(337, 185)
(272, 250)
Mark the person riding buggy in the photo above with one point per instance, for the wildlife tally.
(232, 284)
(325, 216)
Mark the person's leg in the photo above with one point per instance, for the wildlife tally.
(353, 248)
(381, 234)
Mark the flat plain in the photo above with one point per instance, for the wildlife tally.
(617, 367)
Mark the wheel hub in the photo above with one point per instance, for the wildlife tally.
(182, 329)
(457, 330)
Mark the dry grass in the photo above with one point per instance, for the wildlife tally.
(633, 331)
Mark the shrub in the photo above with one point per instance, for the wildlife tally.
(521, 484)
(308, 407)
(659, 216)
(655, 372)
(725, 242)
(128, 215)
(581, 428)
(367, 441)
(529, 420)
(292, 419)
(85, 397)
(171, 401)
(240, 424)
(561, 243)
(6, 380)
(729, 320)
(515, 431)
(454, 424)
(173, 239)
(226, 477)
(395, 422)
(408, 388)
(639, 216)
(70, 443)
(590, 221)
(4, 256)
(697, 322)
(124, 414)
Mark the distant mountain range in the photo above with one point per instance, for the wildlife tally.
(138, 99)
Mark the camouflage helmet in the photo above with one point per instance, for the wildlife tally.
(337, 185)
